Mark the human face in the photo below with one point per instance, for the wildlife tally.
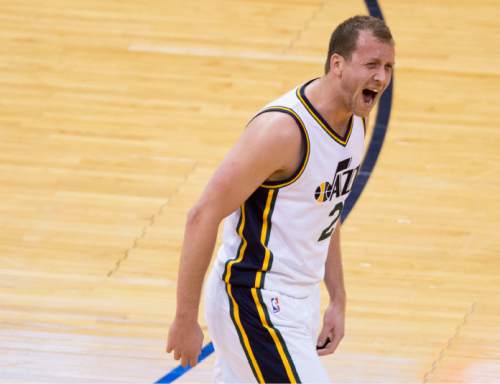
(366, 75)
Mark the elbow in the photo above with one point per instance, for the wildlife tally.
(194, 216)
(202, 215)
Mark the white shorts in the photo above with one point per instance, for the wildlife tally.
(262, 336)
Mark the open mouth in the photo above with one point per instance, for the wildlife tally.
(369, 95)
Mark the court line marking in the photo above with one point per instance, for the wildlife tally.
(223, 53)
(451, 340)
(147, 226)
(178, 371)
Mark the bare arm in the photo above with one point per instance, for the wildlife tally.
(334, 275)
(253, 160)
(333, 319)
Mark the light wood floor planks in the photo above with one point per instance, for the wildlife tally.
(114, 114)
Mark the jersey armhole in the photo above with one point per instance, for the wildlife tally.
(305, 139)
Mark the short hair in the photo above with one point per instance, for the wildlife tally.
(344, 38)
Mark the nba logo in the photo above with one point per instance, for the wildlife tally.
(275, 303)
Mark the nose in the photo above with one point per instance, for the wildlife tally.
(381, 76)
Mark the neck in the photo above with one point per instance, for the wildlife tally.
(325, 98)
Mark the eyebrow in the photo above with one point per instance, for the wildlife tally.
(377, 60)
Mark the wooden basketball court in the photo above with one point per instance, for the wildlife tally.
(113, 115)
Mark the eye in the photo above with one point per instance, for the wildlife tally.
(371, 65)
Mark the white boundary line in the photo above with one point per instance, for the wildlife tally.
(224, 53)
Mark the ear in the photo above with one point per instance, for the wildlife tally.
(337, 63)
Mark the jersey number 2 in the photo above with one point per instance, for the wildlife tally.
(336, 211)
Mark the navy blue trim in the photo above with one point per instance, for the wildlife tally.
(264, 349)
(305, 145)
(342, 140)
(268, 234)
(376, 142)
(254, 254)
(282, 341)
(243, 273)
(239, 248)
(238, 331)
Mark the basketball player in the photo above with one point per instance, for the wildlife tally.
(282, 189)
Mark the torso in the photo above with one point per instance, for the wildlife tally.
(278, 239)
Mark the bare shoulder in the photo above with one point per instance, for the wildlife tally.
(270, 148)
(278, 136)
(276, 126)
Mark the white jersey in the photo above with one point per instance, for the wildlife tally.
(278, 239)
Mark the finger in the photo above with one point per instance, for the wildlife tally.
(184, 361)
(322, 352)
(330, 347)
(327, 350)
(177, 355)
(323, 337)
(169, 346)
(193, 361)
(323, 345)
